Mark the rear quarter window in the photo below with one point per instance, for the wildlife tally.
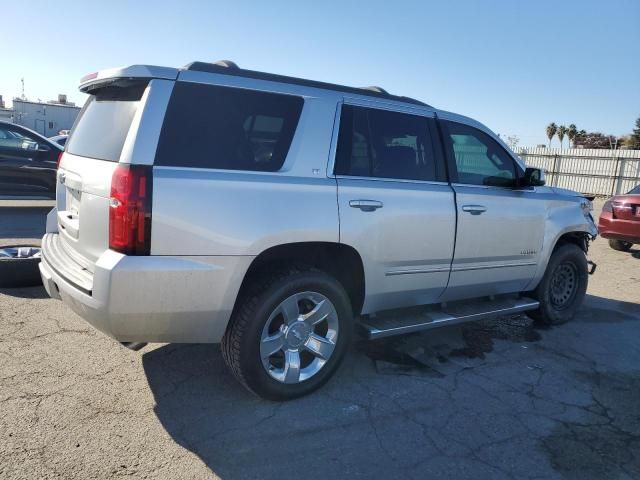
(103, 124)
(216, 127)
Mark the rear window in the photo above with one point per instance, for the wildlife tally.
(102, 126)
(209, 126)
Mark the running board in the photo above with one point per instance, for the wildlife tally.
(415, 319)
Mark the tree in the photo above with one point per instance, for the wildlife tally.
(513, 141)
(633, 142)
(595, 140)
(562, 130)
(571, 133)
(552, 128)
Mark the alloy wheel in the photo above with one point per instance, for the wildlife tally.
(299, 337)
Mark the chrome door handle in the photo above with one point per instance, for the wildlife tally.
(474, 209)
(366, 205)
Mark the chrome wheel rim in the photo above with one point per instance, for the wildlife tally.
(563, 285)
(299, 337)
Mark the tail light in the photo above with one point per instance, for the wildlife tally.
(130, 210)
(59, 160)
(622, 210)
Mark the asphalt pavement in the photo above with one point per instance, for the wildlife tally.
(500, 399)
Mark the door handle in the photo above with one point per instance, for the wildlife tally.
(474, 209)
(366, 205)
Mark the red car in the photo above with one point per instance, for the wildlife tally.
(620, 220)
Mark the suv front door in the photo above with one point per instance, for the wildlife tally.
(396, 208)
(500, 227)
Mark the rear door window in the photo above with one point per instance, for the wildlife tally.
(102, 126)
(209, 126)
(385, 144)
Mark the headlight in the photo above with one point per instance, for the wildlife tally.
(587, 207)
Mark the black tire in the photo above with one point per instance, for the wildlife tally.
(19, 272)
(241, 342)
(620, 245)
(559, 305)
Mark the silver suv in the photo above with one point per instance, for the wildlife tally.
(275, 214)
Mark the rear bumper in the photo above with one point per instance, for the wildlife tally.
(153, 298)
(618, 229)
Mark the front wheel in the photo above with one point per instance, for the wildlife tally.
(289, 333)
(563, 286)
(620, 245)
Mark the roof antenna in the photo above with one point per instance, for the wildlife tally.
(22, 81)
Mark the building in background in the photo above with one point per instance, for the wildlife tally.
(6, 114)
(45, 118)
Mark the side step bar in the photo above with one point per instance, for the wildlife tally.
(415, 319)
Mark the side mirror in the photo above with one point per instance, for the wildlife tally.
(533, 177)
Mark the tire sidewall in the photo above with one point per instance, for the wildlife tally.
(19, 272)
(250, 361)
(620, 245)
(548, 313)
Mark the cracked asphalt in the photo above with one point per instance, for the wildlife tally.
(497, 399)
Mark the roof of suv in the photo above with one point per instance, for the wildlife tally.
(226, 67)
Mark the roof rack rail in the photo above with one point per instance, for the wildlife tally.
(227, 64)
(375, 88)
(227, 67)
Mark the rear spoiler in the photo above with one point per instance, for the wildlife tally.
(103, 77)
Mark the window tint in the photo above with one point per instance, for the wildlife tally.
(228, 128)
(635, 191)
(384, 144)
(10, 138)
(101, 128)
(480, 160)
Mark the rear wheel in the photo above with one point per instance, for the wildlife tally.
(288, 333)
(563, 286)
(620, 245)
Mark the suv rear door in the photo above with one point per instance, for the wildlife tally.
(500, 227)
(396, 207)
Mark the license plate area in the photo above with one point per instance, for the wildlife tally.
(74, 199)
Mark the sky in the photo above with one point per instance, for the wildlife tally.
(514, 65)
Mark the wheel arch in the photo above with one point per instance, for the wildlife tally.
(579, 238)
(341, 261)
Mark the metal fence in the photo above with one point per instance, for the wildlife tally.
(589, 171)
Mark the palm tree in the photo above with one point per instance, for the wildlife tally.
(562, 130)
(571, 133)
(552, 128)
